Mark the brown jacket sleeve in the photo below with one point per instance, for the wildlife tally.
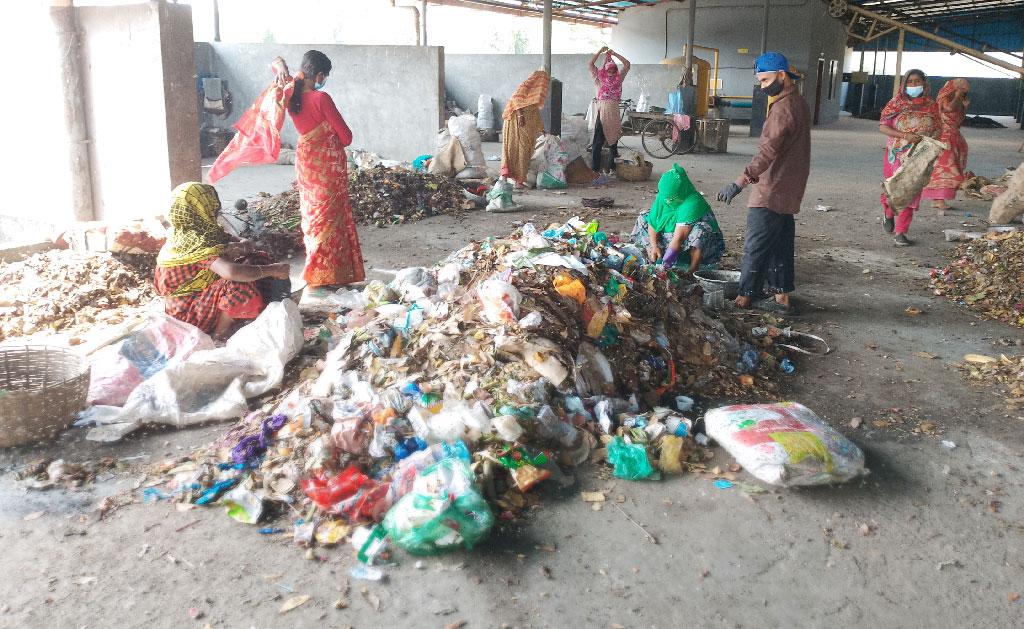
(774, 138)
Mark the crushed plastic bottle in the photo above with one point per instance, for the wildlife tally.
(362, 572)
(787, 366)
(748, 362)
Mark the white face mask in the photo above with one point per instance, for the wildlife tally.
(915, 91)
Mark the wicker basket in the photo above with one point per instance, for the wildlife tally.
(41, 389)
(630, 171)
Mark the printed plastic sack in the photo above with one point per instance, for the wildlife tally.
(350, 493)
(785, 444)
(499, 197)
(914, 173)
(1010, 204)
(555, 161)
(118, 369)
(485, 112)
(211, 384)
(444, 511)
(464, 129)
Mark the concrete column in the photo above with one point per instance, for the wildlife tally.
(63, 17)
(690, 27)
(899, 64)
(216, 20)
(547, 36)
(764, 29)
(423, 22)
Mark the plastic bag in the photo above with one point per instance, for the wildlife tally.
(575, 137)
(405, 472)
(914, 173)
(118, 369)
(485, 112)
(210, 384)
(500, 301)
(555, 161)
(569, 286)
(1010, 204)
(464, 129)
(350, 493)
(592, 372)
(671, 456)
(785, 444)
(444, 511)
(629, 460)
(499, 197)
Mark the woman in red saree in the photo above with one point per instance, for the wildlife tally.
(908, 116)
(948, 173)
(333, 256)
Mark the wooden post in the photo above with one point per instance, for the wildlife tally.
(899, 64)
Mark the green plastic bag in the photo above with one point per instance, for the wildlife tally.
(629, 459)
(444, 511)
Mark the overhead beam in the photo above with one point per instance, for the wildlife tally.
(942, 41)
(525, 11)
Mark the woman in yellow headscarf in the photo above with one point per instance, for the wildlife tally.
(200, 272)
(522, 125)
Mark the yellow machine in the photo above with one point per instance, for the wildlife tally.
(706, 83)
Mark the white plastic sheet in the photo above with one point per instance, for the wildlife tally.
(212, 384)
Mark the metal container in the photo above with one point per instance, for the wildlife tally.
(728, 282)
(713, 135)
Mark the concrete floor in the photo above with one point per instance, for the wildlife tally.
(932, 537)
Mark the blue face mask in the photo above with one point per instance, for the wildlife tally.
(915, 91)
(318, 86)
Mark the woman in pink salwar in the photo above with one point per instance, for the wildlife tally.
(910, 115)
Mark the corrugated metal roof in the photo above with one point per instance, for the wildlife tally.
(592, 11)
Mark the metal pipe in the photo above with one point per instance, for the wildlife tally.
(764, 29)
(423, 22)
(690, 28)
(216, 20)
(899, 65)
(547, 36)
(416, 17)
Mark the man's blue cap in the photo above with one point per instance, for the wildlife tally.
(772, 61)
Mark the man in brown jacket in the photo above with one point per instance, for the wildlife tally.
(779, 170)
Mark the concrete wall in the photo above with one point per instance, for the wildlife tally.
(391, 96)
(800, 29)
(468, 76)
(138, 68)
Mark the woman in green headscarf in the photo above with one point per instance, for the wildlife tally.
(679, 221)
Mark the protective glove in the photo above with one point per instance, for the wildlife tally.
(729, 193)
(670, 256)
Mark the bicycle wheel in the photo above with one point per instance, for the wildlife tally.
(687, 141)
(656, 138)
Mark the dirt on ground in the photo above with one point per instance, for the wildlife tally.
(932, 537)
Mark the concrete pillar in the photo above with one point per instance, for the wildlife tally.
(547, 36)
(216, 20)
(423, 22)
(75, 125)
(899, 64)
(690, 27)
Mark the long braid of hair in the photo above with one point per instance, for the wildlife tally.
(313, 62)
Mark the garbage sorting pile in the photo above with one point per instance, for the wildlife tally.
(273, 220)
(985, 275)
(446, 396)
(59, 289)
(383, 196)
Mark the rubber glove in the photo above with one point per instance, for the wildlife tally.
(670, 256)
(729, 193)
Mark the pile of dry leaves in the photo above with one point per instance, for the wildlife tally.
(1005, 371)
(389, 196)
(987, 275)
(60, 289)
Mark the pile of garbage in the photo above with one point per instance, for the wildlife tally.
(447, 395)
(390, 196)
(59, 289)
(985, 275)
(1005, 371)
(273, 221)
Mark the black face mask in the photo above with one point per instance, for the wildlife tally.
(774, 88)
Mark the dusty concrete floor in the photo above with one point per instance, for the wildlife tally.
(938, 551)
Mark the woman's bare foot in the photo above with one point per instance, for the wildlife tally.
(940, 207)
(743, 301)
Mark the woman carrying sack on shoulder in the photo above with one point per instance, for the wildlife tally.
(909, 116)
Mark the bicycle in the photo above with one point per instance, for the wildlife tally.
(625, 108)
(661, 138)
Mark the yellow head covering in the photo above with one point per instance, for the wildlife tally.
(195, 234)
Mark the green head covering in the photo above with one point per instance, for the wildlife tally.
(677, 202)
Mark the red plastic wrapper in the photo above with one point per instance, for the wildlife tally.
(350, 494)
